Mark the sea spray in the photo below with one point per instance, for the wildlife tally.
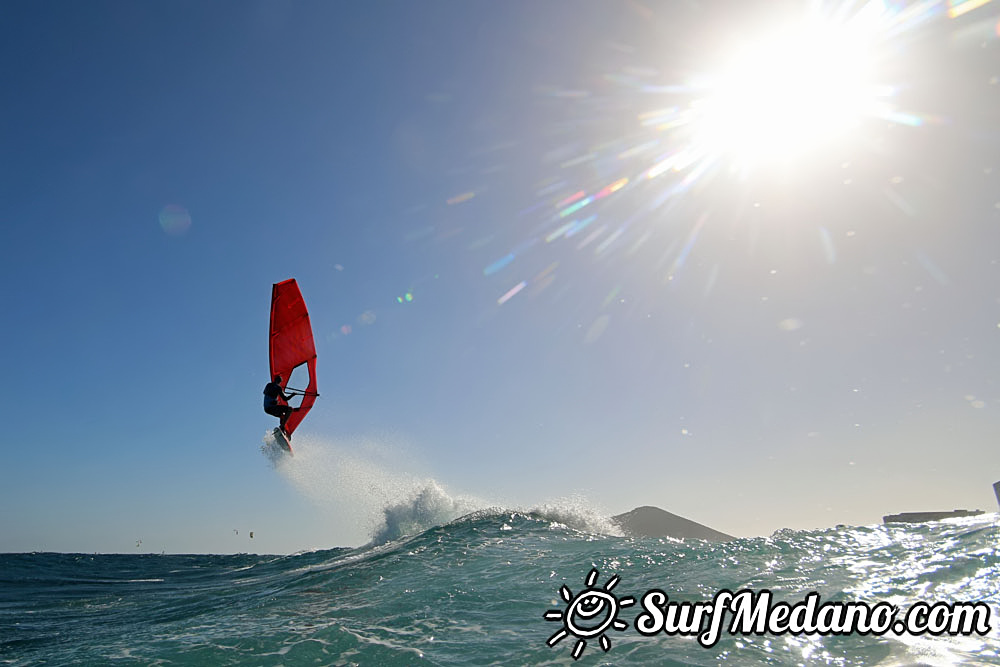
(428, 507)
(363, 479)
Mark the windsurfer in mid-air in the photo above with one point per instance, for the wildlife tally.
(272, 390)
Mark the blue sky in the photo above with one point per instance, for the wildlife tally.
(532, 279)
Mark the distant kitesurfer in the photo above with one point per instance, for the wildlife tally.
(272, 390)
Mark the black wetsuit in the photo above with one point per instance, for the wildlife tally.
(271, 406)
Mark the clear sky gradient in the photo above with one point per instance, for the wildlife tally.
(545, 259)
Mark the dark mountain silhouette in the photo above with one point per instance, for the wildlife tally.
(654, 522)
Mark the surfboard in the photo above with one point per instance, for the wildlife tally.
(282, 441)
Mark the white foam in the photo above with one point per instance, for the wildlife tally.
(578, 513)
(428, 506)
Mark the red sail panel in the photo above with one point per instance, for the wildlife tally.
(291, 345)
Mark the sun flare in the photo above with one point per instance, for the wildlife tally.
(788, 91)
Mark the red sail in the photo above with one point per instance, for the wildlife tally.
(291, 347)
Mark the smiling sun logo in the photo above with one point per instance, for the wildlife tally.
(589, 614)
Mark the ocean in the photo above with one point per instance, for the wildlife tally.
(448, 580)
(478, 590)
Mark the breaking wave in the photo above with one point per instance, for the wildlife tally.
(364, 480)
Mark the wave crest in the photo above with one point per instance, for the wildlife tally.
(362, 483)
(428, 507)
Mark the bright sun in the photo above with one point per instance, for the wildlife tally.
(792, 89)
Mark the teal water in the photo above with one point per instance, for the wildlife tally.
(475, 591)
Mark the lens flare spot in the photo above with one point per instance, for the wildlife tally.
(175, 220)
(458, 199)
(597, 329)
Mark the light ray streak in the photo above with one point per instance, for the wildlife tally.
(560, 232)
(662, 166)
(939, 276)
(546, 272)
(958, 7)
(511, 292)
(570, 210)
(611, 189)
(829, 250)
(900, 203)
(606, 243)
(580, 226)
(586, 201)
(638, 150)
(578, 160)
(688, 245)
(592, 237)
(499, 264)
(546, 190)
(572, 198)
